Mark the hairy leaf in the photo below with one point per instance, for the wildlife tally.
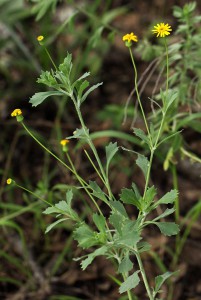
(159, 280)
(86, 262)
(97, 192)
(130, 283)
(99, 220)
(126, 265)
(38, 98)
(49, 227)
(168, 198)
(143, 163)
(111, 149)
(128, 196)
(167, 228)
(140, 133)
(85, 236)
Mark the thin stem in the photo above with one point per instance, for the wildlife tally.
(46, 149)
(137, 93)
(144, 275)
(175, 184)
(93, 148)
(48, 54)
(167, 67)
(128, 292)
(177, 217)
(32, 193)
(89, 158)
(83, 183)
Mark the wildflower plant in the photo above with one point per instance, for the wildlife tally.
(118, 237)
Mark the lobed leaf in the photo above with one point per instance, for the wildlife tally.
(101, 251)
(140, 133)
(168, 198)
(167, 228)
(159, 280)
(38, 98)
(125, 265)
(130, 283)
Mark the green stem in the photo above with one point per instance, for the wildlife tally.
(93, 148)
(167, 67)
(48, 54)
(137, 93)
(32, 193)
(89, 158)
(46, 149)
(144, 275)
(83, 184)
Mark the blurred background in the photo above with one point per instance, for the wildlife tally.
(38, 266)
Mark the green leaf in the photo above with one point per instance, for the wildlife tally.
(51, 210)
(143, 163)
(62, 206)
(95, 38)
(69, 197)
(97, 192)
(150, 194)
(140, 133)
(143, 247)
(91, 89)
(130, 283)
(116, 220)
(111, 150)
(79, 134)
(129, 239)
(85, 236)
(126, 265)
(42, 7)
(118, 206)
(167, 228)
(159, 280)
(77, 82)
(167, 198)
(47, 78)
(66, 67)
(82, 87)
(128, 196)
(99, 221)
(101, 251)
(54, 224)
(38, 98)
(166, 213)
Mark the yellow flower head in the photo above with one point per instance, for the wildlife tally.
(128, 38)
(64, 142)
(40, 38)
(9, 181)
(162, 29)
(16, 112)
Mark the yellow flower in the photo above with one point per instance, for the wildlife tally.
(162, 29)
(128, 38)
(64, 142)
(16, 112)
(9, 181)
(40, 38)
